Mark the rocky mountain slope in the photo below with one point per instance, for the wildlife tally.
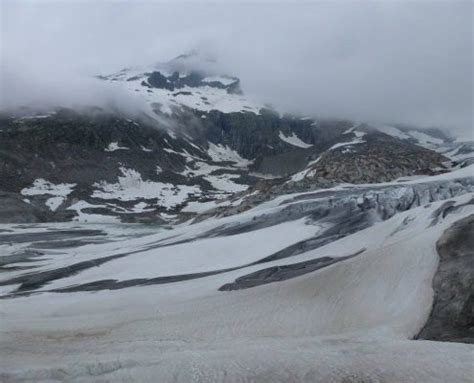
(69, 161)
(200, 144)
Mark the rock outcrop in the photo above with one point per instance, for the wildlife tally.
(452, 316)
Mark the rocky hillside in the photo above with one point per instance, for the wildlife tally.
(200, 145)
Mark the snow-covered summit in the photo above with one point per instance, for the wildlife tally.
(192, 80)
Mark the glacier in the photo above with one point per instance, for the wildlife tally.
(340, 285)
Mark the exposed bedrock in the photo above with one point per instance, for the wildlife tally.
(452, 315)
(13, 209)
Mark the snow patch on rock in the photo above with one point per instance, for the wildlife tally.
(42, 187)
(294, 140)
(131, 186)
(113, 146)
(222, 153)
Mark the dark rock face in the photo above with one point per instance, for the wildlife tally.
(13, 209)
(71, 147)
(194, 79)
(452, 316)
(258, 137)
(157, 80)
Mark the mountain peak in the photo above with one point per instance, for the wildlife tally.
(193, 80)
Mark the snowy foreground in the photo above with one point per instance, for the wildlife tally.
(156, 305)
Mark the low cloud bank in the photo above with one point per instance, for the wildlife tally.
(402, 62)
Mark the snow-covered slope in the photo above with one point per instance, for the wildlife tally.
(186, 81)
(313, 287)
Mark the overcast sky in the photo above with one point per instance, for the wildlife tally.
(406, 62)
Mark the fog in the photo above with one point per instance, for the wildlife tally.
(394, 62)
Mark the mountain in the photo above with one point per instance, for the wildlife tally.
(264, 246)
(186, 81)
(130, 169)
(204, 145)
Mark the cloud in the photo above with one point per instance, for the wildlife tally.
(373, 61)
(30, 88)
